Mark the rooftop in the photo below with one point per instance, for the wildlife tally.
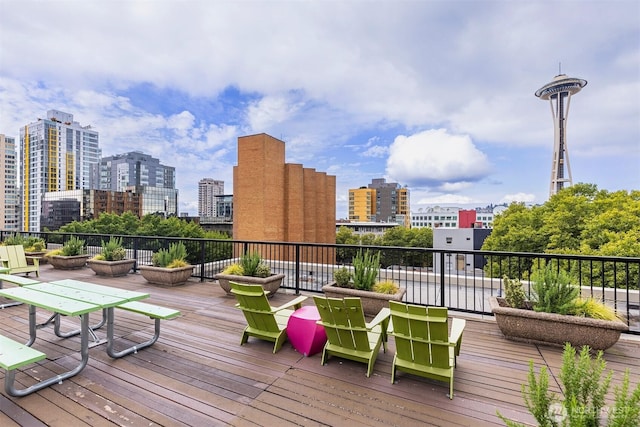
(198, 374)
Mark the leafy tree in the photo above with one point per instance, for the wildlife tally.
(577, 220)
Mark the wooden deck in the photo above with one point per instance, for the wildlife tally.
(197, 374)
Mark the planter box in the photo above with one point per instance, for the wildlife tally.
(73, 262)
(270, 284)
(372, 302)
(555, 329)
(38, 255)
(166, 276)
(111, 268)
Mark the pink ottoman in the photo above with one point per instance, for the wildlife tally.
(304, 333)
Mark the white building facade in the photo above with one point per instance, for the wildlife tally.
(208, 189)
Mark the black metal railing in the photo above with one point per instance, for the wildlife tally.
(462, 280)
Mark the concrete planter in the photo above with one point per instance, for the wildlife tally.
(270, 284)
(166, 276)
(111, 268)
(372, 302)
(72, 262)
(40, 256)
(555, 329)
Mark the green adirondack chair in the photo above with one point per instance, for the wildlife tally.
(349, 336)
(264, 321)
(14, 258)
(424, 345)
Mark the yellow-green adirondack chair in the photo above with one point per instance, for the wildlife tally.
(14, 258)
(348, 334)
(424, 345)
(264, 321)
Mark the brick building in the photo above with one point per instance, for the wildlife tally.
(281, 202)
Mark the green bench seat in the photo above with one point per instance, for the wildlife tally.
(15, 355)
(17, 280)
(155, 312)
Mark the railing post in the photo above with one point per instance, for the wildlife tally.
(202, 259)
(442, 280)
(297, 268)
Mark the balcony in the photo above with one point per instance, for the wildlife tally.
(198, 374)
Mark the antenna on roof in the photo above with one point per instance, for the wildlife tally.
(559, 68)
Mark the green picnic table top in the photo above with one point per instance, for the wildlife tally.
(102, 300)
(51, 302)
(101, 289)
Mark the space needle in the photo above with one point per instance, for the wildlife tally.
(559, 92)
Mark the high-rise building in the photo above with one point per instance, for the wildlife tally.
(392, 201)
(559, 93)
(56, 154)
(381, 201)
(130, 169)
(9, 204)
(362, 204)
(139, 173)
(208, 189)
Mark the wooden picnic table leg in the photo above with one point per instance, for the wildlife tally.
(84, 351)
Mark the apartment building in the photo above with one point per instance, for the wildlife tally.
(56, 154)
(208, 189)
(380, 201)
(9, 202)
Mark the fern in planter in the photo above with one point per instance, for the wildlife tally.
(73, 247)
(112, 250)
(174, 257)
(251, 264)
(553, 292)
(366, 267)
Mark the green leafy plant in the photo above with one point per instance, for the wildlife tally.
(173, 257)
(112, 250)
(585, 385)
(553, 292)
(591, 307)
(30, 243)
(342, 277)
(365, 270)
(386, 287)
(250, 262)
(234, 269)
(263, 270)
(73, 247)
(514, 292)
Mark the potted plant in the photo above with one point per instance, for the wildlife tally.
(362, 283)
(34, 247)
(169, 266)
(251, 269)
(111, 261)
(555, 313)
(71, 256)
(584, 391)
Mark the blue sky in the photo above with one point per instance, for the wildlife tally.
(434, 95)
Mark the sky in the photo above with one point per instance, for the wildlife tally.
(437, 96)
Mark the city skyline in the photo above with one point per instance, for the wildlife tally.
(437, 96)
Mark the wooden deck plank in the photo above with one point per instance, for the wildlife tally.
(198, 374)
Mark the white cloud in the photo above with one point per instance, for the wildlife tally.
(519, 197)
(434, 158)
